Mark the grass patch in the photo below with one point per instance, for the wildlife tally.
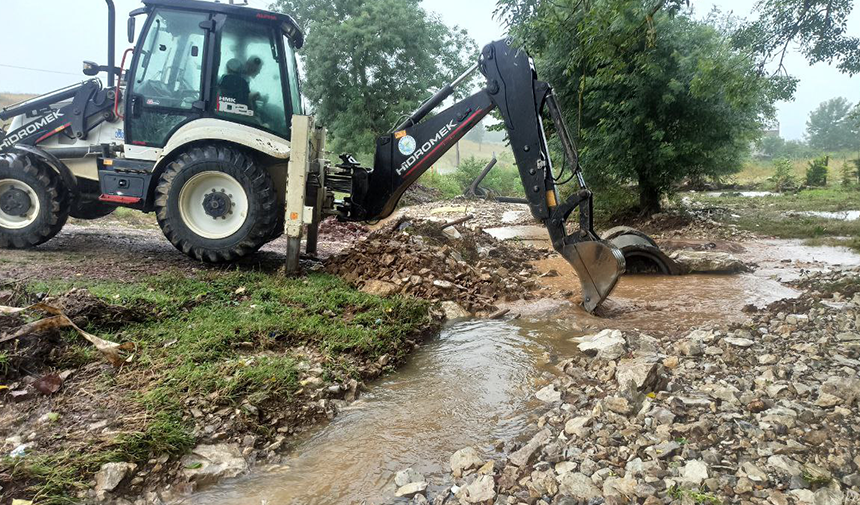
(226, 337)
(779, 215)
(696, 496)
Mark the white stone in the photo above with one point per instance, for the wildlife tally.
(548, 394)
(608, 344)
(481, 490)
(739, 341)
(694, 472)
(578, 486)
(208, 464)
(410, 490)
(454, 311)
(464, 459)
(110, 475)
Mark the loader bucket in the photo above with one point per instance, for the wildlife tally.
(598, 266)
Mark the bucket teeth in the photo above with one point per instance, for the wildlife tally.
(598, 266)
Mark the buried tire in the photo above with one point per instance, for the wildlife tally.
(215, 204)
(34, 203)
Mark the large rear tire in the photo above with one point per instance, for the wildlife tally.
(215, 204)
(34, 203)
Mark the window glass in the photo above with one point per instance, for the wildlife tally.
(169, 69)
(248, 87)
(293, 76)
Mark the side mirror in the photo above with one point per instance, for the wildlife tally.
(131, 29)
(91, 68)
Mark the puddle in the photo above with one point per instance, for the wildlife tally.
(474, 384)
(744, 194)
(511, 216)
(845, 215)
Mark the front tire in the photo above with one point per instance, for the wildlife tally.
(34, 203)
(215, 204)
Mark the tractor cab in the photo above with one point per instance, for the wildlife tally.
(196, 59)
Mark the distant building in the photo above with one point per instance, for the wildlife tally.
(770, 129)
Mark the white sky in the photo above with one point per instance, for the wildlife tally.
(56, 35)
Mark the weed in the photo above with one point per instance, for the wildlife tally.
(783, 180)
(816, 173)
(696, 496)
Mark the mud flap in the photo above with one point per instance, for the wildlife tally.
(598, 266)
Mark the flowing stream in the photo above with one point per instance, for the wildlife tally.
(474, 384)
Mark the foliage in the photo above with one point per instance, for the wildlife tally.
(654, 95)
(830, 128)
(783, 180)
(851, 172)
(503, 179)
(817, 27)
(369, 62)
(816, 173)
(772, 147)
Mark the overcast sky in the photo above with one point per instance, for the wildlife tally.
(56, 35)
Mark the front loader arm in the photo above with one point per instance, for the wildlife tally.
(512, 87)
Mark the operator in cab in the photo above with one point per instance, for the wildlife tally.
(235, 84)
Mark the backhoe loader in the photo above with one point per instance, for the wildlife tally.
(206, 129)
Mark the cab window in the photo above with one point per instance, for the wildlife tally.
(249, 79)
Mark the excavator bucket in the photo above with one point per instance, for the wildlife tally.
(598, 266)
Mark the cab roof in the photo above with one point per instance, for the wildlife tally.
(288, 24)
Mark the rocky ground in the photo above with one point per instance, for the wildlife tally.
(761, 412)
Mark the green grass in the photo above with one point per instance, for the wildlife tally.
(696, 496)
(228, 338)
(778, 215)
(757, 173)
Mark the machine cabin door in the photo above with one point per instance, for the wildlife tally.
(251, 81)
(167, 75)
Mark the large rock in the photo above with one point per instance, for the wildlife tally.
(379, 288)
(710, 262)
(608, 344)
(548, 394)
(524, 454)
(110, 475)
(483, 489)
(578, 486)
(411, 489)
(454, 311)
(846, 388)
(466, 458)
(407, 476)
(207, 464)
(642, 373)
(694, 472)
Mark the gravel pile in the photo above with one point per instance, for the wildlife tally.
(417, 258)
(764, 412)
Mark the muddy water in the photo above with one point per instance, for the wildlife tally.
(474, 383)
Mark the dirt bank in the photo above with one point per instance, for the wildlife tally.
(221, 370)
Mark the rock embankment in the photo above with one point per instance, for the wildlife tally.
(763, 412)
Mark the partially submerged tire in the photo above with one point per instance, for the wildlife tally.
(34, 203)
(215, 204)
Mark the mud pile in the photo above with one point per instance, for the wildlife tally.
(417, 258)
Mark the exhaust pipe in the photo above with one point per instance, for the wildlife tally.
(111, 41)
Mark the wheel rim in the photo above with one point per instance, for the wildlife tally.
(12, 199)
(213, 205)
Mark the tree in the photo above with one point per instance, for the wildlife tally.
(369, 62)
(654, 95)
(831, 128)
(817, 27)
